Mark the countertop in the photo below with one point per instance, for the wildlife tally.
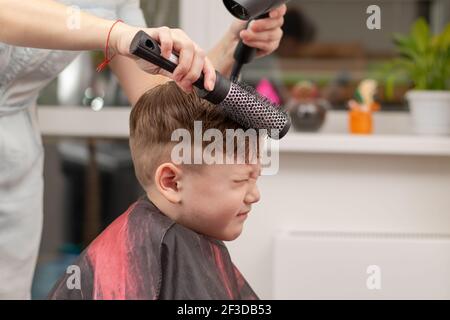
(392, 133)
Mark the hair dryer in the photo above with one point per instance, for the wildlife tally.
(251, 9)
(248, 10)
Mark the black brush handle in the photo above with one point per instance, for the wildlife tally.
(147, 48)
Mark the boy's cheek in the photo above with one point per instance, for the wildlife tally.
(221, 225)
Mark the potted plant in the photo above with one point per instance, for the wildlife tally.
(424, 60)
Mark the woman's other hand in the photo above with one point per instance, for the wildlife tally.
(264, 34)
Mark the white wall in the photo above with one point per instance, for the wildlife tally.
(342, 193)
(205, 21)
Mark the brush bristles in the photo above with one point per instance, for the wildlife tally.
(250, 109)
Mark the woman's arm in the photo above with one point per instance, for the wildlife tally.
(47, 24)
(133, 80)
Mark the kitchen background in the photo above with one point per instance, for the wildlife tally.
(356, 188)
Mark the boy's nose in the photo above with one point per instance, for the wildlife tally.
(253, 194)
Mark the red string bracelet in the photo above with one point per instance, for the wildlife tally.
(107, 59)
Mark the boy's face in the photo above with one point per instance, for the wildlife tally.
(216, 200)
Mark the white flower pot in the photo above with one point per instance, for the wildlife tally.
(430, 111)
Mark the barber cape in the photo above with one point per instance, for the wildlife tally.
(145, 255)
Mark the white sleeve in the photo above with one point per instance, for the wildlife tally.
(127, 10)
(131, 13)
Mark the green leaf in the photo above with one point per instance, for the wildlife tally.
(445, 37)
(390, 83)
(403, 40)
(421, 34)
(425, 58)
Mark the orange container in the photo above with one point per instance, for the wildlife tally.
(360, 122)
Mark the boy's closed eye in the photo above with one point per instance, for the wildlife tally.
(246, 175)
(247, 178)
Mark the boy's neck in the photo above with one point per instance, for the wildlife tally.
(165, 206)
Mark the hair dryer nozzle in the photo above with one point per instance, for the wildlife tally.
(251, 9)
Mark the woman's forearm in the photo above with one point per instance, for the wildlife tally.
(51, 25)
(222, 55)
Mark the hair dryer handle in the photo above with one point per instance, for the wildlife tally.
(243, 53)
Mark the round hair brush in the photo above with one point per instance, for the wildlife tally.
(240, 103)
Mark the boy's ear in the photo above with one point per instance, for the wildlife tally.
(167, 181)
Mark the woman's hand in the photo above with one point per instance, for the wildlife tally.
(265, 34)
(192, 59)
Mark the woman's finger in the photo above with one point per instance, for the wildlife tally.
(166, 42)
(184, 63)
(195, 70)
(273, 35)
(266, 24)
(265, 47)
(186, 48)
(210, 75)
(278, 12)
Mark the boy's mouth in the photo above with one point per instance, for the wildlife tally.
(243, 214)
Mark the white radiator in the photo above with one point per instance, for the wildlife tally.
(339, 265)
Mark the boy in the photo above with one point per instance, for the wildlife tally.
(168, 245)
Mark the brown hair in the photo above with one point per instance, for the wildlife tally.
(157, 114)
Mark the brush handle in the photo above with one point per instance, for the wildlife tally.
(147, 48)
